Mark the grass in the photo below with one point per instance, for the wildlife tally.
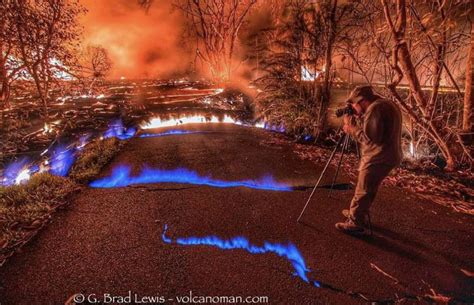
(95, 156)
(25, 208)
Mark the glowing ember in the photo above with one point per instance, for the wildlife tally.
(289, 251)
(169, 133)
(121, 177)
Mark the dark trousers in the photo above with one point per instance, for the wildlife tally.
(368, 184)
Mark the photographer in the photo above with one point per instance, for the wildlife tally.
(376, 124)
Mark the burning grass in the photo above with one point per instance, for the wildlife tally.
(25, 208)
(93, 158)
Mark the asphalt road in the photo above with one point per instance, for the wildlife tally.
(109, 240)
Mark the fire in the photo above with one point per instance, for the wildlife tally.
(412, 149)
(121, 177)
(23, 176)
(308, 75)
(47, 128)
(290, 252)
(61, 158)
(16, 172)
(83, 141)
(201, 119)
(195, 119)
(118, 130)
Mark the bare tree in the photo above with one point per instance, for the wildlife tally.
(412, 48)
(290, 57)
(418, 106)
(468, 117)
(215, 24)
(47, 34)
(94, 64)
(330, 16)
(10, 66)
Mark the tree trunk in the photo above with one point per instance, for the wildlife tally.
(468, 118)
(5, 94)
(326, 88)
(403, 67)
(42, 96)
(5, 85)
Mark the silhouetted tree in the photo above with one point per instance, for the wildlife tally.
(47, 34)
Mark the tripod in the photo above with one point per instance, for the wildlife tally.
(344, 140)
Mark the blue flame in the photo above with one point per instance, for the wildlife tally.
(83, 141)
(169, 133)
(117, 130)
(61, 161)
(289, 251)
(12, 171)
(275, 128)
(121, 176)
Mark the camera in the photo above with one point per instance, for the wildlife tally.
(349, 110)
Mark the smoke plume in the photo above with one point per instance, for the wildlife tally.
(140, 43)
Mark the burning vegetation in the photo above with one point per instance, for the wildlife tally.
(289, 62)
(80, 78)
(278, 65)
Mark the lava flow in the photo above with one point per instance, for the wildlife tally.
(169, 133)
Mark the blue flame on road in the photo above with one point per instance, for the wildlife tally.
(288, 251)
(117, 130)
(169, 133)
(121, 177)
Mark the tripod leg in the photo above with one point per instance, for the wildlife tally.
(357, 149)
(321, 176)
(344, 149)
(370, 223)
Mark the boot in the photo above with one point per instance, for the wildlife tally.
(350, 227)
(365, 222)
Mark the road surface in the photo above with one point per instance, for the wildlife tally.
(110, 240)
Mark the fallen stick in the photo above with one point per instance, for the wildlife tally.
(384, 273)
